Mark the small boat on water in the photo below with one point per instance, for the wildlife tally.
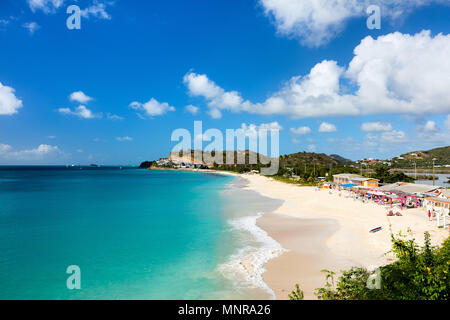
(376, 230)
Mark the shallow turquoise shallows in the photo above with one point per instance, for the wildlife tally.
(135, 234)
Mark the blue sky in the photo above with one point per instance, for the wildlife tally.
(114, 91)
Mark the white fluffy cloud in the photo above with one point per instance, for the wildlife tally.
(80, 97)
(316, 22)
(114, 117)
(430, 132)
(80, 111)
(393, 74)
(376, 127)
(39, 153)
(400, 73)
(309, 96)
(122, 139)
(327, 127)
(218, 98)
(429, 127)
(47, 6)
(394, 136)
(32, 27)
(447, 122)
(4, 148)
(200, 85)
(271, 126)
(9, 104)
(312, 148)
(215, 113)
(97, 10)
(152, 107)
(253, 130)
(429, 135)
(42, 150)
(192, 109)
(301, 130)
(314, 95)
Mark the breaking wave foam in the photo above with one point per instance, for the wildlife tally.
(246, 267)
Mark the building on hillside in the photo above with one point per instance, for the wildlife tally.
(190, 159)
(163, 161)
(180, 157)
(355, 179)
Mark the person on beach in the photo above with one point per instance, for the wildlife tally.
(429, 215)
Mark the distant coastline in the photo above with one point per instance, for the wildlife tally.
(194, 170)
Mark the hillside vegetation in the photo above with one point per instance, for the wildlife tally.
(310, 158)
(423, 159)
(310, 164)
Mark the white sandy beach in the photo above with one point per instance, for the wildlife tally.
(323, 231)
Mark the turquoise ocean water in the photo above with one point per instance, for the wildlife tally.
(135, 234)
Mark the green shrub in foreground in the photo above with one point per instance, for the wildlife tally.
(419, 273)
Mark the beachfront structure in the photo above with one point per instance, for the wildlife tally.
(409, 194)
(404, 194)
(443, 193)
(432, 198)
(439, 203)
(441, 207)
(355, 179)
(410, 188)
